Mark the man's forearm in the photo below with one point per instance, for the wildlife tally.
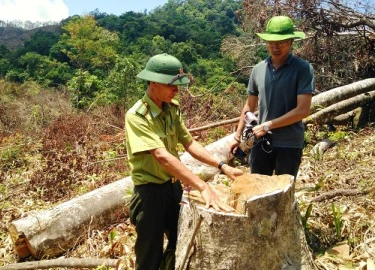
(197, 151)
(176, 168)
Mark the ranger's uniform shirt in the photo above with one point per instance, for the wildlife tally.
(148, 127)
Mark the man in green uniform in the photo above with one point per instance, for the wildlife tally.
(154, 126)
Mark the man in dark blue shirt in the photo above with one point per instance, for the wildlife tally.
(281, 87)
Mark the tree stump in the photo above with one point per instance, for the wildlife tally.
(265, 232)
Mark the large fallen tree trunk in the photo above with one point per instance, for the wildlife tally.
(326, 115)
(51, 232)
(219, 149)
(266, 233)
(341, 93)
(318, 102)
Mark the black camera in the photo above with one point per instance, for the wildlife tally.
(240, 155)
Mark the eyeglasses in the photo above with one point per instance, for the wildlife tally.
(279, 43)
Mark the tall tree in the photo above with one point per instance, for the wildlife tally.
(90, 46)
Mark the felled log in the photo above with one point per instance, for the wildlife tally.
(51, 232)
(326, 115)
(264, 233)
(346, 118)
(320, 101)
(218, 149)
(341, 93)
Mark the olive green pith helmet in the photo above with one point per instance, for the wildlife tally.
(165, 69)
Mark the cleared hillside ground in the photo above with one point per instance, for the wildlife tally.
(56, 160)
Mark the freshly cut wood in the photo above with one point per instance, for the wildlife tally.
(341, 93)
(326, 115)
(51, 232)
(265, 233)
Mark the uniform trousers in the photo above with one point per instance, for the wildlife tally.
(154, 210)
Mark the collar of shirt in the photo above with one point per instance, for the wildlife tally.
(287, 62)
(154, 109)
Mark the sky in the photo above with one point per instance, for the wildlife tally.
(56, 10)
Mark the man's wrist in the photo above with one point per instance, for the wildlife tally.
(266, 126)
(221, 163)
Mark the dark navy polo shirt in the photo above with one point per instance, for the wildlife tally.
(277, 91)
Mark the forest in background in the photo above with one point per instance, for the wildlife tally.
(96, 57)
(63, 96)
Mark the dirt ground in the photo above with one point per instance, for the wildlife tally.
(339, 224)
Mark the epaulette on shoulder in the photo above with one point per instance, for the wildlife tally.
(175, 102)
(142, 108)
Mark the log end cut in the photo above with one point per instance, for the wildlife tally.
(21, 245)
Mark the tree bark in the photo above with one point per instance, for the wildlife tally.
(51, 232)
(341, 93)
(320, 148)
(266, 233)
(346, 118)
(219, 149)
(321, 101)
(326, 115)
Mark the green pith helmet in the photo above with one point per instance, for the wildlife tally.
(165, 69)
(280, 28)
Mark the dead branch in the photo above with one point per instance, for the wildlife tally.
(340, 192)
(217, 124)
(63, 262)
